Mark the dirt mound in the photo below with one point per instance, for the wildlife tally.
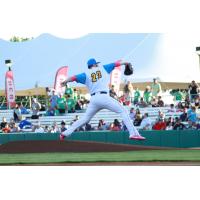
(66, 146)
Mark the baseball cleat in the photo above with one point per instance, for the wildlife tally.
(62, 137)
(137, 137)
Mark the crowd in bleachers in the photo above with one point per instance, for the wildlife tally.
(186, 103)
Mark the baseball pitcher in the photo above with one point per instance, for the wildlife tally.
(97, 79)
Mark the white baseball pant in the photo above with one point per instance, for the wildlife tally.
(103, 101)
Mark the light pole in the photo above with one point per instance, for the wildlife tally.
(8, 63)
(198, 53)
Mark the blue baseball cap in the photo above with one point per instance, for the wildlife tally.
(91, 62)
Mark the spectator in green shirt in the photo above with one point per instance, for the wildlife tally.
(70, 104)
(156, 88)
(61, 104)
(69, 91)
(137, 96)
(75, 95)
(147, 95)
(178, 95)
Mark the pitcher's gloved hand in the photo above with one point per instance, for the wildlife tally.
(128, 69)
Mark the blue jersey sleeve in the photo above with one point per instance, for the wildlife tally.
(80, 78)
(109, 67)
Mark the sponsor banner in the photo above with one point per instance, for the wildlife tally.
(115, 79)
(10, 89)
(61, 75)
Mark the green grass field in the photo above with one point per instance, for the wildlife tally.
(132, 156)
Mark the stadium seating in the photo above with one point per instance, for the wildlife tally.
(107, 115)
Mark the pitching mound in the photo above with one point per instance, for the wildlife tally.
(66, 146)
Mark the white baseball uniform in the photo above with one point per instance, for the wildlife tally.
(97, 80)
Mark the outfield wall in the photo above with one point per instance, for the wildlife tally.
(179, 139)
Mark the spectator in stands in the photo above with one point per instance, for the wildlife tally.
(180, 106)
(197, 102)
(63, 127)
(128, 89)
(50, 111)
(102, 125)
(169, 126)
(169, 121)
(146, 122)
(36, 106)
(178, 95)
(6, 129)
(11, 123)
(55, 128)
(142, 103)
(80, 128)
(43, 107)
(178, 125)
(192, 114)
(48, 91)
(115, 126)
(112, 92)
(38, 128)
(187, 101)
(154, 102)
(47, 129)
(156, 88)
(61, 104)
(191, 125)
(138, 118)
(160, 125)
(124, 128)
(132, 114)
(197, 126)
(75, 95)
(15, 128)
(70, 104)
(75, 119)
(184, 115)
(137, 96)
(69, 92)
(193, 90)
(53, 100)
(84, 102)
(122, 100)
(78, 105)
(172, 108)
(24, 111)
(3, 123)
(17, 113)
(147, 95)
(161, 116)
(88, 127)
(24, 123)
(160, 102)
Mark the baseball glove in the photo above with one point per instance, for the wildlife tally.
(128, 69)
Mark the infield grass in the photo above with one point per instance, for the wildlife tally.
(131, 156)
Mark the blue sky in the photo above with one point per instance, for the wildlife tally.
(171, 57)
(37, 60)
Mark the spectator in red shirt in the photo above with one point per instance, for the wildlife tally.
(160, 125)
(122, 100)
(115, 126)
(6, 129)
